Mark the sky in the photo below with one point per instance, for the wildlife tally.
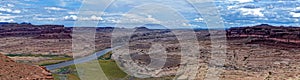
(234, 13)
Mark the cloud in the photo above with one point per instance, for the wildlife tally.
(231, 7)
(16, 11)
(295, 12)
(46, 19)
(71, 18)
(297, 8)
(10, 5)
(9, 10)
(72, 12)
(179, 5)
(7, 18)
(241, 1)
(186, 24)
(295, 15)
(74, 18)
(92, 18)
(238, 12)
(198, 19)
(151, 19)
(254, 12)
(133, 18)
(54, 8)
(189, 25)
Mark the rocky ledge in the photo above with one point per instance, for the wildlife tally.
(10, 70)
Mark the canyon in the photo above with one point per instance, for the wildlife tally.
(253, 52)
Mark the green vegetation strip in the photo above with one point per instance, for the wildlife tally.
(112, 70)
(106, 56)
(109, 67)
(54, 60)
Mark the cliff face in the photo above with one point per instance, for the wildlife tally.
(10, 70)
(45, 39)
(36, 31)
(267, 31)
(288, 37)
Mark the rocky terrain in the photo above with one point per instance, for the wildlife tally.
(44, 39)
(288, 37)
(255, 52)
(261, 52)
(11, 70)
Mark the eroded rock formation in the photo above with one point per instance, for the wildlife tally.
(10, 70)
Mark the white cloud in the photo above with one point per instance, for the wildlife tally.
(10, 5)
(230, 7)
(189, 25)
(9, 10)
(151, 19)
(91, 18)
(198, 19)
(113, 21)
(54, 8)
(5, 9)
(133, 18)
(16, 11)
(46, 19)
(296, 15)
(254, 12)
(7, 18)
(297, 8)
(186, 24)
(71, 18)
(72, 12)
(241, 1)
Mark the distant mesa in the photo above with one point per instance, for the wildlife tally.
(4, 23)
(25, 23)
(142, 29)
(268, 34)
(35, 31)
